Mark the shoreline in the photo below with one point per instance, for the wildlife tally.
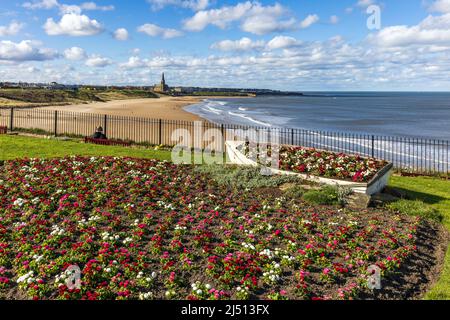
(165, 108)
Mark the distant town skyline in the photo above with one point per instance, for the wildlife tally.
(297, 45)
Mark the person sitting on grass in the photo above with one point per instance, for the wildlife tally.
(99, 134)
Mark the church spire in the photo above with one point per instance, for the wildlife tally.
(163, 81)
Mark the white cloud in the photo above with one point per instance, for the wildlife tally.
(266, 24)
(133, 62)
(98, 61)
(121, 34)
(74, 53)
(334, 19)
(309, 21)
(433, 30)
(73, 24)
(195, 5)
(26, 50)
(155, 31)
(94, 6)
(43, 4)
(364, 3)
(66, 8)
(281, 42)
(442, 6)
(12, 29)
(244, 44)
(254, 17)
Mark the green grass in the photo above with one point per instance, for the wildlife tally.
(13, 147)
(435, 193)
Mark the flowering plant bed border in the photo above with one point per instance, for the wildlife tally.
(375, 185)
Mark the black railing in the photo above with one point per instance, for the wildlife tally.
(414, 155)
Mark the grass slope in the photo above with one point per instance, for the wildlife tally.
(436, 193)
(28, 97)
(13, 147)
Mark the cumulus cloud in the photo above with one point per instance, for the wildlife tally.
(73, 24)
(195, 5)
(121, 34)
(364, 3)
(247, 44)
(12, 29)
(244, 44)
(133, 62)
(153, 30)
(432, 30)
(442, 6)
(98, 61)
(94, 6)
(309, 21)
(254, 17)
(75, 53)
(26, 50)
(42, 4)
(282, 42)
(66, 8)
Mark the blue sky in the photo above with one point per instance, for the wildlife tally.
(285, 44)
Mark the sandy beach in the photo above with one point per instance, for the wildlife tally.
(166, 108)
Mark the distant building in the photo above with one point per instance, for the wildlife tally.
(162, 87)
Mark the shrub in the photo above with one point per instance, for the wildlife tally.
(416, 208)
(244, 177)
(328, 195)
(295, 192)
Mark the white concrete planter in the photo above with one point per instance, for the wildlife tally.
(376, 185)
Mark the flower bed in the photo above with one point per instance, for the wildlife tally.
(323, 163)
(142, 229)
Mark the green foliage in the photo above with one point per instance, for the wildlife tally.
(328, 195)
(243, 177)
(416, 208)
(296, 192)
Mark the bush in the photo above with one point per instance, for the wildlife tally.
(244, 177)
(295, 192)
(416, 208)
(328, 195)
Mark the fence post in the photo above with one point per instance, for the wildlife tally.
(373, 146)
(292, 137)
(222, 129)
(56, 123)
(160, 131)
(11, 120)
(105, 124)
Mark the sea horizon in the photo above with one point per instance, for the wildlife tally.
(409, 114)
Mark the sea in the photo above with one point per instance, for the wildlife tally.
(406, 114)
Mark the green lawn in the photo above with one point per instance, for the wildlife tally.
(436, 193)
(432, 191)
(13, 147)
